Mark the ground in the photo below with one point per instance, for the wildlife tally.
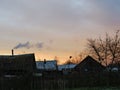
(97, 88)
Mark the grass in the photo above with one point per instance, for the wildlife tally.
(87, 88)
(96, 88)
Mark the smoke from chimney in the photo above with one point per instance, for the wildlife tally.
(23, 45)
(28, 45)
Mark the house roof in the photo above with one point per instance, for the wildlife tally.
(24, 62)
(89, 64)
(46, 65)
(66, 66)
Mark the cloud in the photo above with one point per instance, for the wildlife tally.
(105, 12)
(62, 15)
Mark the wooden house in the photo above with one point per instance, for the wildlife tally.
(16, 71)
(89, 65)
(17, 64)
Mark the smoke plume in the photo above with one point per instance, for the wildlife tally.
(23, 45)
(29, 45)
(39, 45)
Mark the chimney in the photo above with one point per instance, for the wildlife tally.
(12, 52)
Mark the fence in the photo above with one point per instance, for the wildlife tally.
(77, 81)
(61, 82)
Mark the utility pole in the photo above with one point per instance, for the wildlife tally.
(44, 64)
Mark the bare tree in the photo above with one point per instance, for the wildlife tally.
(114, 47)
(105, 49)
(78, 58)
(95, 49)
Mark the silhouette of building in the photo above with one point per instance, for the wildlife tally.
(17, 64)
(89, 65)
(16, 71)
(47, 65)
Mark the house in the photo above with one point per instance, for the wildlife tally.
(47, 65)
(89, 65)
(16, 71)
(11, 65)
(66, 68)
(47, 68)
